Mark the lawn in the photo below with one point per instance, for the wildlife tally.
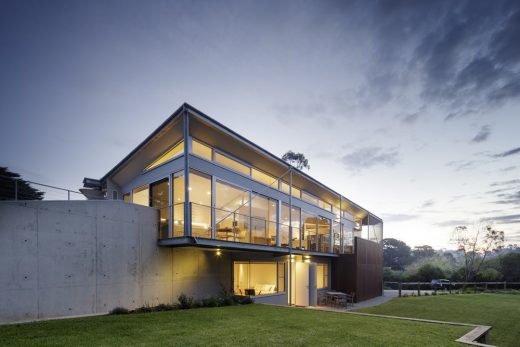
(501, 311)
(249, 325)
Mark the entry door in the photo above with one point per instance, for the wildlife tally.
(302, 284)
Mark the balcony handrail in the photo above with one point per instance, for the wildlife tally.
(19, 179)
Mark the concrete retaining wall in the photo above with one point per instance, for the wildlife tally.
(67, 258)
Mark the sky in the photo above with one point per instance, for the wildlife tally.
(409, 108)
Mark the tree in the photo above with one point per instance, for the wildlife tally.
(425, 251)
(296, 159)
(510, 266)
(476, 244)
(396, 254)
(427, 272)
(8, 186)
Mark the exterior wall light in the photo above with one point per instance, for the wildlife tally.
(218, 253)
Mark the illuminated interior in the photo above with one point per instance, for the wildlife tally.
(201, 150)
(258, 278)
(140, 196)
(322, 275)
(309, 234)
(263, 220)
(231, 213)
(200, 197)
(323, 234)
(233, 164)
(178, 204)
(168, 155)
(159, 198)
(264, 178)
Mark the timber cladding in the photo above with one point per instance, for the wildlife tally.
(361, 272)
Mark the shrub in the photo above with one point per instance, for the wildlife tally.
(185, 301)
(119, 310)
(164, 307)
(210, 302)
(143, 309)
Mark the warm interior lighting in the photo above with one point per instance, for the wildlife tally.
(218, 253)
(168, 155)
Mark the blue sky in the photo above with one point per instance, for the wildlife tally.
(410, 108)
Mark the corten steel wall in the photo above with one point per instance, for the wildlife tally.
(361, 272)
(67, 258)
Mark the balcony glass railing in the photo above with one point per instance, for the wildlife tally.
(236, 227)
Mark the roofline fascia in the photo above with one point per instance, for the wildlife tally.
(139, 146)
(198, 113)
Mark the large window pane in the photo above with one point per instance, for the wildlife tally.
(264, 178)
(324, 235)
(347, 239)
(325, 205)
(233, 164)
(309, 198)
(251, 278)
(178, 204)
(309, 234)
(159, 198)
(336, 237)
(200, 198)
(322, 275)
(140, 196)
(232, 213)
(263, 220)
(284, 220)
(259, 219)
(168, 155)
(284, 187)
(201, 150)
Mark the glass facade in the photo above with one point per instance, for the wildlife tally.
(200, 198)
(178, 204)
(140, 196)
(322, 275)
(258, 278)
(222, 210)
(309, 232)
(173, 152)
(231, 213)
(201, 150)
(159, 198)
(232, 163)
(324, 235)
(263, 220)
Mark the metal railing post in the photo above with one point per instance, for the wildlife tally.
(16, 189)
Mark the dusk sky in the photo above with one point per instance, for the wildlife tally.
(409, 108)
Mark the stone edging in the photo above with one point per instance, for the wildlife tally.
(471, 338)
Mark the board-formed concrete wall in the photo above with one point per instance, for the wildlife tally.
(67, 258)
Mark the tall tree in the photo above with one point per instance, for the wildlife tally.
(296, 159)
(8, 187)
(476, 244)
(396, 254)
(425, 251)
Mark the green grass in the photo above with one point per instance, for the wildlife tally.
(501, 311)
(250, 325)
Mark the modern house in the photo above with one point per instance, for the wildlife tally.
(278, 230)
(196, 209)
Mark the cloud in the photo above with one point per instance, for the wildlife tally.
(507, 198)
(509, 168)
(463, 55)
(507, 153)
(507, 219)
(369, 157)
(428, 203)
(505, 183)
(482, 135)
(398, 217)
(460, 165)
(452, 223)
(410, 118)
